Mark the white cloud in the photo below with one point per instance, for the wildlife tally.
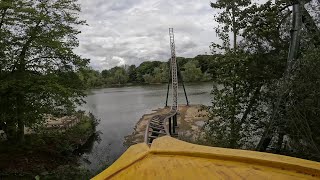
(132, 31)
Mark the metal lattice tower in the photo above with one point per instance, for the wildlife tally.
(161, 125)
(174, 72)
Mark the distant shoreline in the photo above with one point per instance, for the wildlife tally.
(143, 84)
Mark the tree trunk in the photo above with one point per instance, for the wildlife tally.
(21, 74)
(251, 103)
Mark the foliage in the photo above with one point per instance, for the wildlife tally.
(244, 76)
(248, 81)
(120, 76)
(46, 152)
(148, 78)
(199, 68)
(146, 67)
(132, 73)
(231, 20)
(230, 93)
(301, 115)
(90, 77)
(67, 172)
(191, 72)
(38, 66)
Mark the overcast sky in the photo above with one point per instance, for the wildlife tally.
(132, 31)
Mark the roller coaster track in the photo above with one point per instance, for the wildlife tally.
(161, 125)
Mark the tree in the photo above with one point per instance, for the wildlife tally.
(157, 75)
(181, 61)
(249, 96)
(238, 101)
(132, 73)
(91, 78)
(279, 124)
(161, 73)
(302, 110)
(191, 72)
(164, 72)
(120, 76)
(237, 111)
(105, 73)
(205, 62)
(38, 66)
(146, 67)
(148, 78)
(231, 19)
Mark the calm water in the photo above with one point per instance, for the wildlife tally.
(119, 109)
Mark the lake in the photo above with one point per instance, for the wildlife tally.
(119, 109)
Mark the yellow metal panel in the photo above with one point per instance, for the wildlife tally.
(169, 158)
(165, 146)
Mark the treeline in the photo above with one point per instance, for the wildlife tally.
(199, 68)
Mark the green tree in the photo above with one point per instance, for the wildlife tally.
(206, 76)
(132, 73)
(286, 112)
(301, 118)
(236, 111)
(157, 75)
(146, 67)
(249, 81)
(164, 72)
(191, 72)
(91, 78)
(37, 61)
(231, 20)
(181, 61)
(239, 104)
(160, 73)
(105, 73)
(206, 62)
(120, 76)
(148, 78)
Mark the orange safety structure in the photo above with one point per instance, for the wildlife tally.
(169, 158)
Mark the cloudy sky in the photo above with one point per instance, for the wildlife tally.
(132, 31)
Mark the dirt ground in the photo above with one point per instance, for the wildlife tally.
(190, 121)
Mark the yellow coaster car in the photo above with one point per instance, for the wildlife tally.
(169, 158)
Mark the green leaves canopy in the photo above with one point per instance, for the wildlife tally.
(37, 62)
